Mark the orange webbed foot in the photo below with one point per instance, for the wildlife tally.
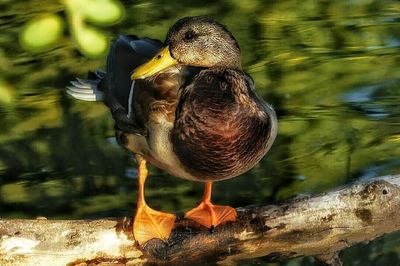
(149, 224)
(211, 215)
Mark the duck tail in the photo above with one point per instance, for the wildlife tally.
(88, 89)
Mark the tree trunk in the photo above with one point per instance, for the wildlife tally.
(317, 226)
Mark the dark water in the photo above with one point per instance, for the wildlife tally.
(331, 69)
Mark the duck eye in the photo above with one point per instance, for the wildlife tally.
(189, 35)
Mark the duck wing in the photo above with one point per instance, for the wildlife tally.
(126, 54)
(115, 87)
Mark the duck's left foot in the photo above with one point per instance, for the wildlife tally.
(211, 215)
(149, 224)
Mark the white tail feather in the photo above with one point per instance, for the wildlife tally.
(85, 90)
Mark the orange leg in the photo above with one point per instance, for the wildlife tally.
(208, 214)
(149, 223)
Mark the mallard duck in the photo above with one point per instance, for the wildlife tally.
(187, 108)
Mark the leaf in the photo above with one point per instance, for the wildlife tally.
(41, 32)
(103, 11)
(98, 11)
(91, 42)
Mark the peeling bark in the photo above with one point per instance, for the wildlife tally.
(317, 226)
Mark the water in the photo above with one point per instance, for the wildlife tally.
(330, 69)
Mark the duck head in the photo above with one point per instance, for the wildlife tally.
(194, 41)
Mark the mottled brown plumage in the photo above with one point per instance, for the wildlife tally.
(190, 111)
(216, 125)
(220, 131)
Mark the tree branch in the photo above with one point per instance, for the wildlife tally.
(317, 226)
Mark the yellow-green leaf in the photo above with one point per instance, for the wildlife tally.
(103, 11)
(91, 42)
(98, 11)
(41, 32)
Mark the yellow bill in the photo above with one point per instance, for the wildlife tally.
(161, 61)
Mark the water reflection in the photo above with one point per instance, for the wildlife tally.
(376, 101)
(331, 70)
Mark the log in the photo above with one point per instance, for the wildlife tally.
(319, 226)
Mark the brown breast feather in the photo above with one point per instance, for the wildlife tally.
(156, 98)
(220, 130)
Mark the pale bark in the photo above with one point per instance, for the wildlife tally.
(317, 226)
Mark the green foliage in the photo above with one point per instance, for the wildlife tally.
(105, 12)
(42, 32)
(91, 41)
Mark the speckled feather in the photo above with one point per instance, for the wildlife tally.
(220, 131)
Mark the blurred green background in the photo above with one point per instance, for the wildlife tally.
(331, 69)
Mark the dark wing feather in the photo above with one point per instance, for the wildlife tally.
(126, 53)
